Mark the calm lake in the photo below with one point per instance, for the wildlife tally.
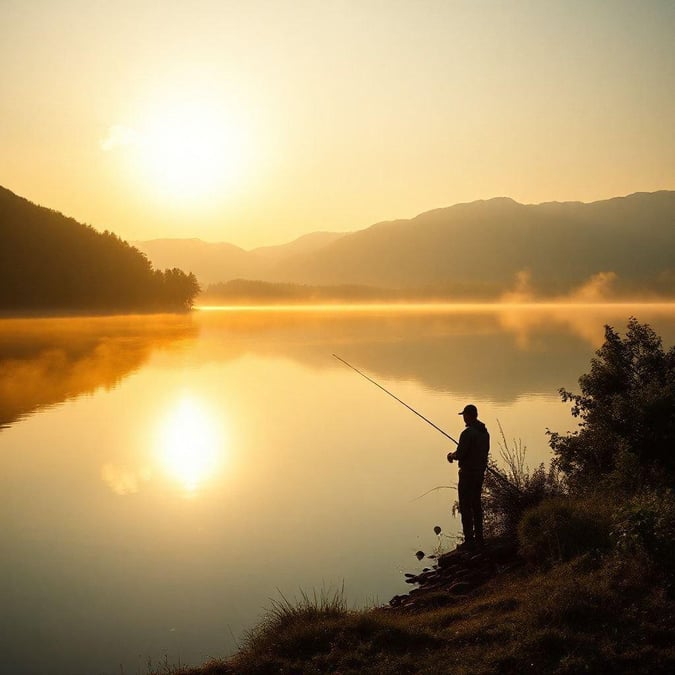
(164, 477)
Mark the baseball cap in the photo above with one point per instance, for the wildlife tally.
(469, 409)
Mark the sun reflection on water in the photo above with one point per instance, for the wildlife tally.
(191, 444)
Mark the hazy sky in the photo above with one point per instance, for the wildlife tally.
(254, 122)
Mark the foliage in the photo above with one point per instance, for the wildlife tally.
(245, 291)
(504, 502)
(627, 413)
(646, 525)
(561, 528)
(49, 261)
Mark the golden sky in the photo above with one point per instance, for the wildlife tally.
(255, 122)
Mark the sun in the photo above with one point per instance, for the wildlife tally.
(190, 151)
(184, 150)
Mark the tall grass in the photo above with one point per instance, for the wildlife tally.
(504, 503)
(327, 602)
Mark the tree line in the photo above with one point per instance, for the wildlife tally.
(242, 291)
(49, 261)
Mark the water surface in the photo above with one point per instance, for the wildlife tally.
(163, 477)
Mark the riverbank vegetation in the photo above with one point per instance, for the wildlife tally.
(591, 584)
(251, 292)
(51, 263)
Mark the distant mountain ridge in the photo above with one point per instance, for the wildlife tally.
(307, 243)
(209, 260)
(473, 250)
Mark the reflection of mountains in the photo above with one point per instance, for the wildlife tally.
(494, 355)
(46, 361)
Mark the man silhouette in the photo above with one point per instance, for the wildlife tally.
(472, 455)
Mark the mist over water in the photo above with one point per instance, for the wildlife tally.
(163, 477)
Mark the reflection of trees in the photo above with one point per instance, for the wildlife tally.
(496, 354)
(46, 361)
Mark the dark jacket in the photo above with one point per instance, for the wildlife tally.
(474, 445)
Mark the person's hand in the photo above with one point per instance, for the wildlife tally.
(451, 457)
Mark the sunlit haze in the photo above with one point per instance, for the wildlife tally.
(257, 122)
(184, 152)
(191, 445)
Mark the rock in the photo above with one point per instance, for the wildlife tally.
(447, 559)
(460, 588)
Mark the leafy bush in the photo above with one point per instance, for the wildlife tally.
(646, 525)
(627, 412)
(560, 529)
(505, 501)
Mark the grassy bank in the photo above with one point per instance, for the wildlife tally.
(599, 614)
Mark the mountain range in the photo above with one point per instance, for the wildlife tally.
(216, 262)
(475, 250)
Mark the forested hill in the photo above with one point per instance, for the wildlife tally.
(51, 262)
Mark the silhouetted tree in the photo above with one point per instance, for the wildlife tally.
(176, 289)
(627, 412)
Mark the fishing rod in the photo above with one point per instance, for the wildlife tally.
(349, 365)
(494, 472)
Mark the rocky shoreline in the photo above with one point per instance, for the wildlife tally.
(457, 573)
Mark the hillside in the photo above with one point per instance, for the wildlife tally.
(49, 262)
(306, 244)
(210, 261)
(206, 260)
(583, 616)
(479, 248)
(475, 250)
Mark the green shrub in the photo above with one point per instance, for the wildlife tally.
(505, 501)
(646, 525)
(560, 529)
(626, 412)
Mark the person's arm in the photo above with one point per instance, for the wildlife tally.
(462, 447)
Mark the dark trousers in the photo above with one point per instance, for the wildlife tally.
(470, 508)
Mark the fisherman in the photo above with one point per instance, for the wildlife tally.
(472, 455)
